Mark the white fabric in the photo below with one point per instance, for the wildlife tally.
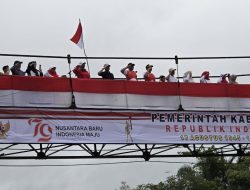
(80, 42)
(120, 101)
(154, 127)
(34, 99)
(47, 74)
(172, 79)
(32, 73)
(187, 78)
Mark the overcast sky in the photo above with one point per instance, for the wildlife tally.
(135, 28)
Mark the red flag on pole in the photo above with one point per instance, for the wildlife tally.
(78, 37)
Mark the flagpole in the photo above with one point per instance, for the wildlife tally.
(86, 56)
(83, 47)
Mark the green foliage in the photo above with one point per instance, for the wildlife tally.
(238, 175)
(213, 173)
(124, 186)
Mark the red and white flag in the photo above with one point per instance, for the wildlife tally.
(78, 36)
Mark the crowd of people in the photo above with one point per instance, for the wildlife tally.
(81, 72)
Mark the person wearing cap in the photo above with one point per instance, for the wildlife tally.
(32, 71)
(129, 72)
(171, 77)
(205, 77)
(148, 75)
(223, 79)
(232, 79)
(105, 72)
(51, 73)
(187, 77)
(16, 69)
(81, 72)
(162, 78)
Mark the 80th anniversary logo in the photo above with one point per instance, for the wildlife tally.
(41, 129)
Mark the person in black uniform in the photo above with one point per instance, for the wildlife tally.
(105, 72)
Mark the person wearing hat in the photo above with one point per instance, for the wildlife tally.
(16, 69)
(129, 72)
(105, 72)
(81, 72)
(32, 71)
(171, 77)
(205, 77)
(148, 75)
(187, 77)
(162, 78)
(51, 73)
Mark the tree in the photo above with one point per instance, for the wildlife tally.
(211, 172)
(124, 186)
(159, 186)
(238, 175)
(188, 179)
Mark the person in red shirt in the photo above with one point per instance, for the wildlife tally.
(129, 72)
(148, 75)
(223, 79)
(81, 72)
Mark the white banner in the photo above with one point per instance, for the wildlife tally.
(155, 127)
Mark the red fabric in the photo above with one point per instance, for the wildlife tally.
(224, 81)
(78, 34)
(53, 73)
(206, 74)
(65, 112)
(81, 73)
(131, 75)
(150, 77)
(44, 84)
(123, 87)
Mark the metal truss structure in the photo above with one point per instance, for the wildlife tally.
(97, 151)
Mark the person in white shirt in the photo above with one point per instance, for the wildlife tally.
(32, 71)
(171, 77)
(232, 79)
(205, 77)
(6, 70)
(187, 77)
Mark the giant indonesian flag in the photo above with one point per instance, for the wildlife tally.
(36, 110)
(78, 36)
(18, 91)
